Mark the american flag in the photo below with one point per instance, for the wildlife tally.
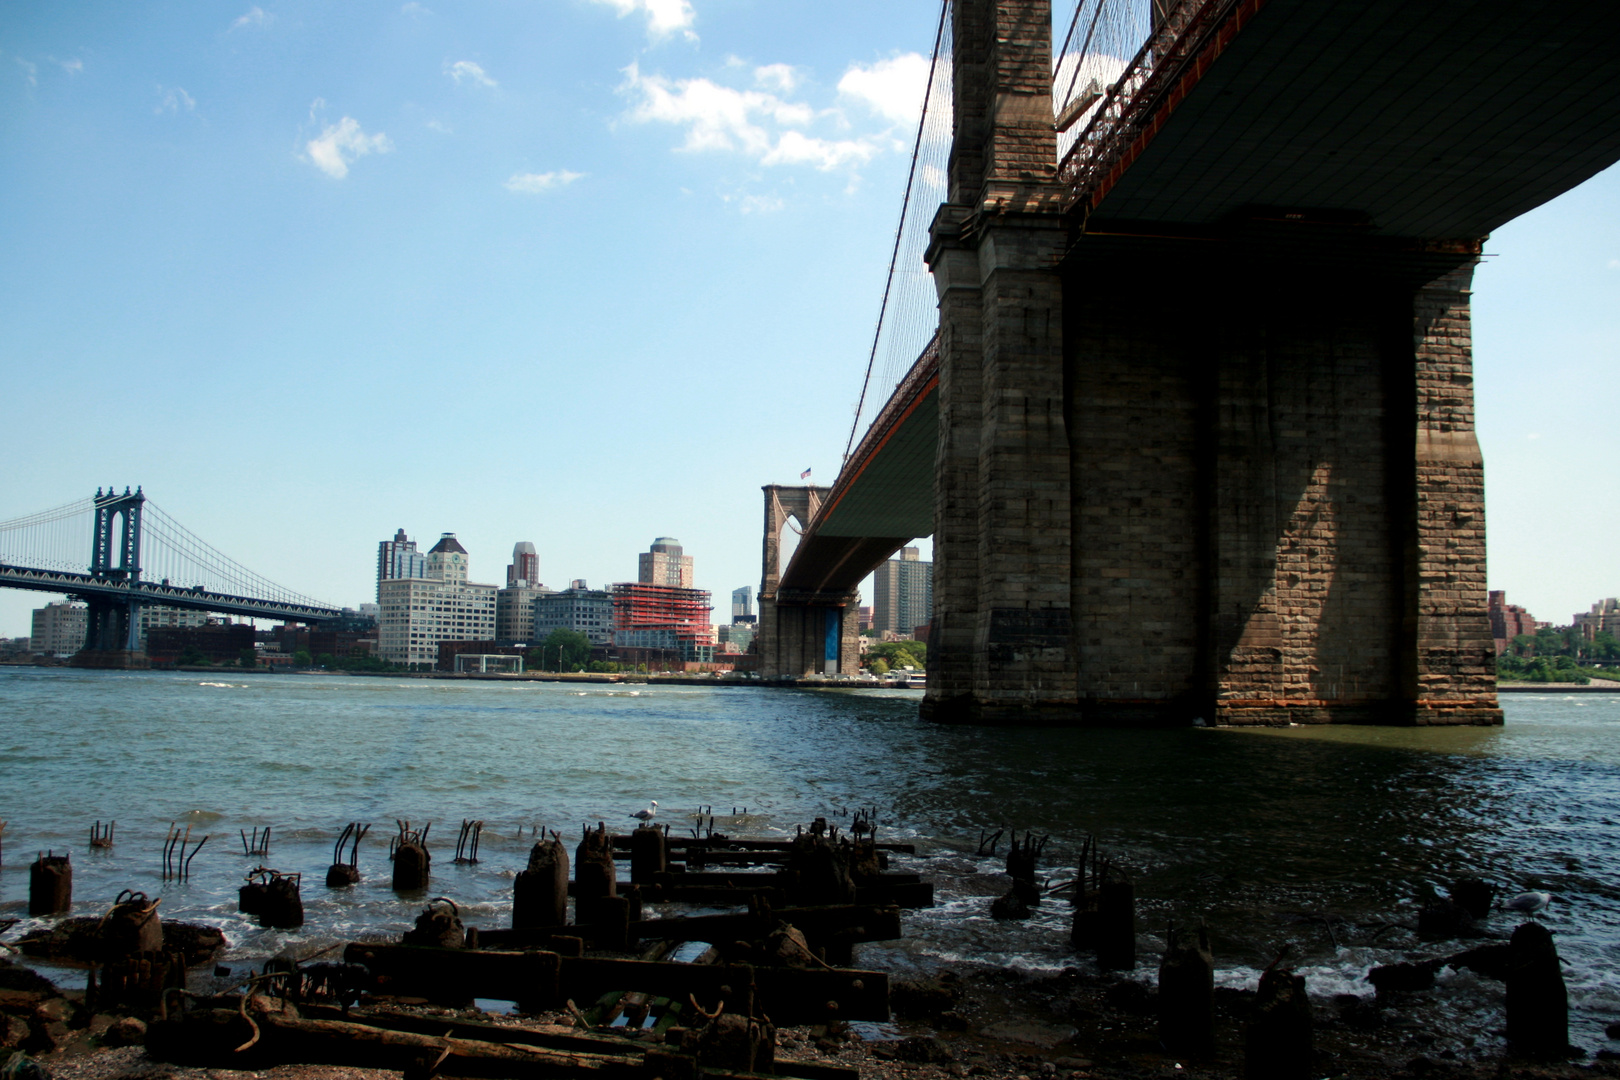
(805, 475)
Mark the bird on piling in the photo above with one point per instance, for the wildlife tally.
(1529, 903)
(646, 816)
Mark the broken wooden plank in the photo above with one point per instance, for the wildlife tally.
(543, 980)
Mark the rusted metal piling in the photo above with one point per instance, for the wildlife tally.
(273, 897)
(50, 885)
(176, 863)
(341, 874)
(258, 846)
(101, 836)
(467, 842)
(412, 863)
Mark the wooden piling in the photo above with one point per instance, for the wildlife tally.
(595, 876)
(540, 893)
(1279, 1043)
(50, 885)
(1187, 995)
(648, 857)
(1116, 923)
(1537, 1000)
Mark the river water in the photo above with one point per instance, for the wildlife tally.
(1321, 839)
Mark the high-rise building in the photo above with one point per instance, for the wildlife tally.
(1604, 616)
(905, 594)
(59, 628)
(742, 604)
(525, 566)
(647, 616)
(442, 605)
(398, 558)
(587, 611)
(1508, 621)
(664, 564)
(514, 605)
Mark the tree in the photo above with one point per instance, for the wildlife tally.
(301, 658)
(897, 654)
(247, 658)
(877, 666)
(191, 656)
(562, 650)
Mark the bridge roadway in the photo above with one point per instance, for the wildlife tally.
(144, 593)
(1334, 136)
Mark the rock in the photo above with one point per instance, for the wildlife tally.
(1009, 907)
(1444, 919)
(919, 999)
(1131, 997)
(1613, 1030)
(1401, 978)
(1474, 896)
(13, 1032)
(22, 1067)
(924, 1050)
(126, 1031)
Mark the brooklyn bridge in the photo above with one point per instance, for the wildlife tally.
(1188, 409)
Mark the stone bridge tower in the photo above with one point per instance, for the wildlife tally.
(801, 635)
(1230, 476)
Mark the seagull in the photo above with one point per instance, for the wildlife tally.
(645, 816)
(1529, 902)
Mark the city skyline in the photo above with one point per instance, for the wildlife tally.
(309, 240)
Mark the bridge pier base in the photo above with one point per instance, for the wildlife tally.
(112, 637)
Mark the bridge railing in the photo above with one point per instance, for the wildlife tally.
(1130, 106)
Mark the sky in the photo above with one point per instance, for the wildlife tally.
(578, 272)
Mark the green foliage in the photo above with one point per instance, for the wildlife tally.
(301, 658)
(607, 667)
(247, 658)
(1544, 669)
(898, 654)
(191, 656)
(562, 650)
(1566, 641)
(877, 667)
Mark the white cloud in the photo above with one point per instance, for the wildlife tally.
(715, 117)
(467, 71)
(415, 10)
(30, 71)
(256, 17)
(535, 183)
(72, 67)
(892, 88)
(664, 17)
(763, 126)
(173, 99)
(776, 77)
(441, 127)
(796, 148)
(1614, 264)
(342, 143)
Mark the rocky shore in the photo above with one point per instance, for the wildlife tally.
(968, 1022)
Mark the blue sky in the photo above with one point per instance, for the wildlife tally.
(579, 272)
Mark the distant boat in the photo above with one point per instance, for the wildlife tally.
(917, 680)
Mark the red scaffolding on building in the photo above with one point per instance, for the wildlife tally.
(643, 612)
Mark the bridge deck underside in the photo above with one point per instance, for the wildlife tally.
(888, 502)
(1440, 120)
